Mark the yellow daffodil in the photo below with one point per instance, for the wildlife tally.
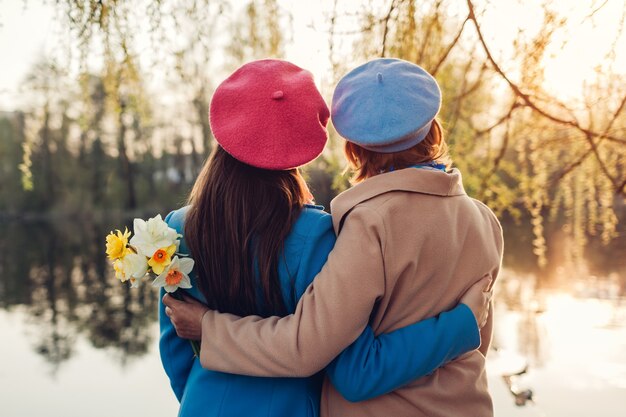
(161, 258)
(117, 244)
(176, 275)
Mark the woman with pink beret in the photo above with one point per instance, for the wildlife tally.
(387, 307)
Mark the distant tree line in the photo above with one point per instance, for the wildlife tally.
(104, 140)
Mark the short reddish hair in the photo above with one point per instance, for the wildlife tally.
(365, 163)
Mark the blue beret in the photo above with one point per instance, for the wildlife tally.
(386, 105)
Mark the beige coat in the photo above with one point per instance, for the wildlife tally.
(409, 244)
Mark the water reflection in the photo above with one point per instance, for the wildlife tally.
(59, 272)
(521, 296)
(560, 335)
(558, 347)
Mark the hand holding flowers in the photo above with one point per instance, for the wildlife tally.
(186, 316)
(151, 253)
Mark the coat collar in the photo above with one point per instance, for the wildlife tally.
(413, 180)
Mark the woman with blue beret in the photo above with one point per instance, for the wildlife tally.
(258, 244)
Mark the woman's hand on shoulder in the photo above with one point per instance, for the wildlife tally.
(186, 316)
(478, 298)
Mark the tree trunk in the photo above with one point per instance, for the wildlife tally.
(202, 110)
(126, 165)
(47, 170)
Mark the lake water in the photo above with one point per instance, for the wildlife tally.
(76, 342)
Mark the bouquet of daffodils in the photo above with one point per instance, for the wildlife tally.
(152, 253)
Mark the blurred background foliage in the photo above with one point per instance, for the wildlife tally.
(110, 123)
(114, 121)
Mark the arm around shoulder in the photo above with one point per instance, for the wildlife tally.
(330, 315)
(374, 366)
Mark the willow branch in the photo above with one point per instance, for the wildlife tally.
(429, 30)
(450, 47)
(570, 167)
(503, 119)
(392, 7)
(597, 9)
(584, 156)
(499, 157)
(621, 189)
(474, 87)
(370, 26)
(331, 38)
(453, 119)
(596, 153)
(525, 97)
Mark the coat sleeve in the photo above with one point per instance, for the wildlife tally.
(176, 354)
(373, 366)
(331, 314)
(486, 333)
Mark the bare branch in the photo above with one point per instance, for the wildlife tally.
(583, 157)
(590, 135)
(621, 189)
(429, 30)
(453, 119)
(392, 7)
(594, 149)
(503, 119)
(499, 157)
(525, 97)
(473, 87)
(450, 47)
(570, 168)
(597, 9)
(331, 39)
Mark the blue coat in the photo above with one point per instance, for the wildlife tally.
(371, 366)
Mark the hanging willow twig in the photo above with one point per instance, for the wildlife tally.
(392, 7)
(498, 159)
(589, 134)
(450, 47)
(525, 97)
(586, 154)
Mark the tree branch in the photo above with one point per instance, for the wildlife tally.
(525, 97)
(450, 47)
(499, 122)
(392, 7)
(594, 149)
(474, 87)
(429, 30)
(597, 9)
(499, 157)
(621, 189)
(583, 157)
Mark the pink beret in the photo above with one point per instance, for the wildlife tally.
(270, 115)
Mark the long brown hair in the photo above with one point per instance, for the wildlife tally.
(365, 163)
(235, 228)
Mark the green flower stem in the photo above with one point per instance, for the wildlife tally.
(195, 345)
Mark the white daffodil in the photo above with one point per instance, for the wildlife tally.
(176, 275)
(132, 266)
(152, 235)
